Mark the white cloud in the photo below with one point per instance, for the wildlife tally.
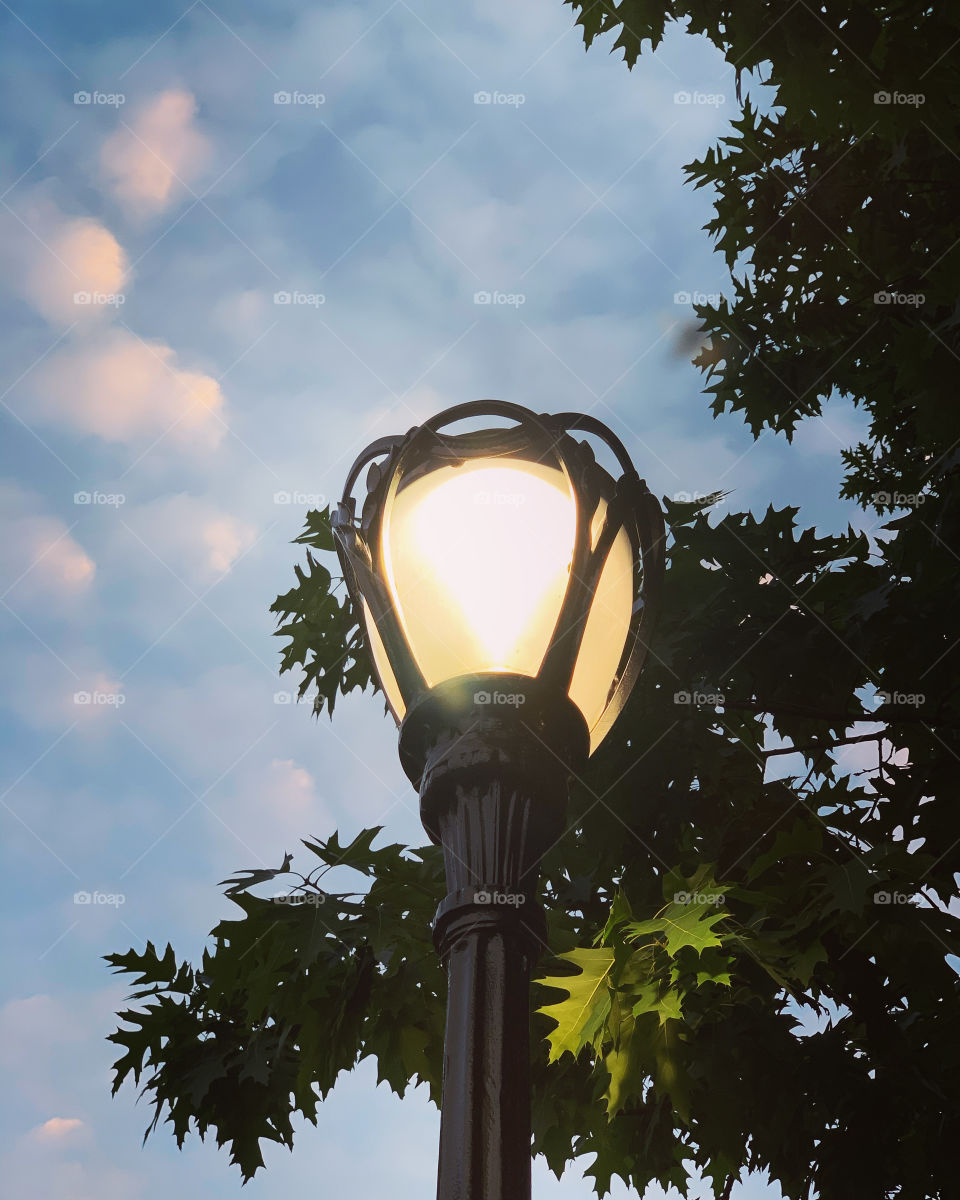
(243, 314)
(208, 722)
(148, 164)
(265, 810)
(840, 427)
(62, 682)
(34, 1032)
(190, 535)
(31, 1175)
(95, 697)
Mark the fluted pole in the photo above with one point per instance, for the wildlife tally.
(493, 790)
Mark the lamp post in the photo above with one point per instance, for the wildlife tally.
(508, 585)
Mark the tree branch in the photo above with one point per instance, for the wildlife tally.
(815, 746)
(839, 718)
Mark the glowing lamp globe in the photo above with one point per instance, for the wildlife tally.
(503, 565)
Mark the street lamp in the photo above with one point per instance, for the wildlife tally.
(508, 585)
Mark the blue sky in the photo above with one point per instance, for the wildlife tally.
(158, 200)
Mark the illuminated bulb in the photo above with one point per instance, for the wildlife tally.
(477, 559)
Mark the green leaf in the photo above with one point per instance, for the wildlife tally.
(680, 925)
(666, 1004)
(581, 1016)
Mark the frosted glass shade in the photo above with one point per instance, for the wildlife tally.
(476, 559)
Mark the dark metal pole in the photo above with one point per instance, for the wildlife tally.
(493, 785)
(485, 1126)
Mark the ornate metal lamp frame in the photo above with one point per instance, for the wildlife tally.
(394, 461)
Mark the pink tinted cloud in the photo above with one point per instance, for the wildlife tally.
(57, 1128)
(125, 389)
(40, 562)
(149, 163)
(265, 810)
(80, 276)
(68, 268)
